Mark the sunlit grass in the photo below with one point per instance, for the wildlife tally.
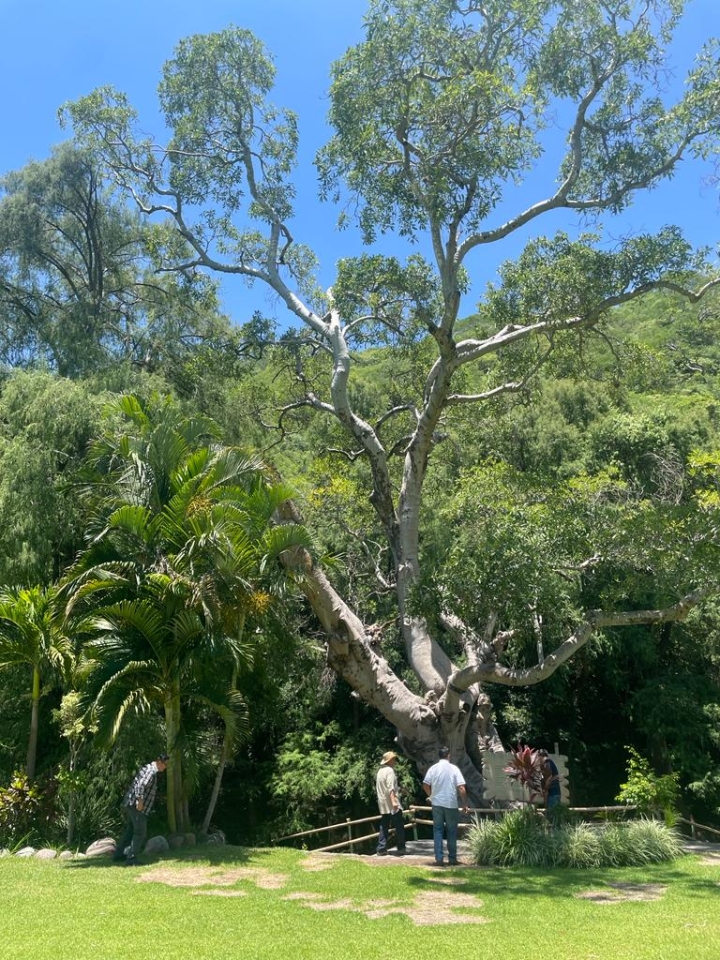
(93, 911)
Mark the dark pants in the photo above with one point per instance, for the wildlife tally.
(447, 818)
(133, 835)
(388, 820)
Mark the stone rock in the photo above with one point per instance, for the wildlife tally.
(216, 837)
(102, 848)
(176, 840)
(46, 854)
(190, 840)
(156, 845)
(26, 852)
(66, 855)
(4, 852)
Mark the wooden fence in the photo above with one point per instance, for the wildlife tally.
(419, 816)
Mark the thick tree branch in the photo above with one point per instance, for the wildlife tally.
(511, 677)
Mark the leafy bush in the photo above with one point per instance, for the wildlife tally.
(524, 838)
(26, 811)
(653, 795)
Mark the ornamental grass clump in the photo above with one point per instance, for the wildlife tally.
(658, 841)
(524, 839)
(519, 839)
(578, 846)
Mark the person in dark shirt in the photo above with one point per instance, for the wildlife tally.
(137, 804)
(551, 781)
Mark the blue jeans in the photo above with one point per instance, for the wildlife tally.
(448, 818)
(388, 820)
(136, 825)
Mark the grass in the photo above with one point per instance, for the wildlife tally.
(93, 911)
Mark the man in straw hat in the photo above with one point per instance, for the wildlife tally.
(391, 813)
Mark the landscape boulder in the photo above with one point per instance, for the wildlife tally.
(102, 848)
(156, 845)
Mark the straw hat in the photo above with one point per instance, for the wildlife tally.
(388, 757)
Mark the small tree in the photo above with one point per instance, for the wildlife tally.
(32, 632)
(653, 795)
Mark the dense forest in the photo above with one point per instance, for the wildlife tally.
(400, 520)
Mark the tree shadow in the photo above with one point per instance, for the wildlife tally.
(207, 853)
(548, 882)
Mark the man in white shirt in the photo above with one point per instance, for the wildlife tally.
(391, 814)
(444, 784)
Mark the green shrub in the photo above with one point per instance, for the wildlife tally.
(616, 849)
(481, 840)
(659, 842)
(26, 811)
(578, 846)
(519, 839)
(524, 838)
(653, 795)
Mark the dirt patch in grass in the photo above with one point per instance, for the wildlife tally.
(315, 863)
(213, 877)
(622, 892)
(432, 907)
(428, 908)
(219, 893)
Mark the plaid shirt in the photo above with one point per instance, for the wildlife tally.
(143, 787)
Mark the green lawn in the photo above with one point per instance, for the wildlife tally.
(258, 904)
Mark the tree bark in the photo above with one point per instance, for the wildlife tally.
(34, 724)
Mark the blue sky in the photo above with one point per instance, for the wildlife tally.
(53, 52)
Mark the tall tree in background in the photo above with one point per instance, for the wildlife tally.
(437, 115)
(79, 288)
(45, 426)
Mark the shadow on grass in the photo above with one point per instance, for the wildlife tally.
(220, 854)
(545, 882)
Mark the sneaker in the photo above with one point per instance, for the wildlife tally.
(454, 863)
(400, 853)
(439, 863)
(381, 853)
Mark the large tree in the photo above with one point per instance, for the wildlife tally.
(438, 115)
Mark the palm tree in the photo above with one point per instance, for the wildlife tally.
(176, 566)
(32, 632)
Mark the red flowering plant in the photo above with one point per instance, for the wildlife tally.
(526, 767)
